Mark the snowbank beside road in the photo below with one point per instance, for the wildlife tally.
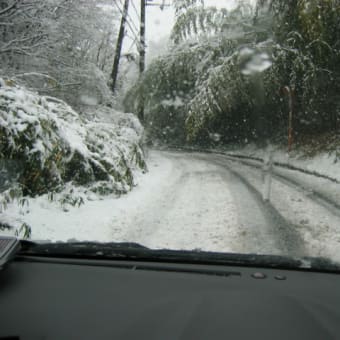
(104, 220)
(47, 148)
(324, 163)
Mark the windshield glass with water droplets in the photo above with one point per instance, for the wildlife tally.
(184, 125)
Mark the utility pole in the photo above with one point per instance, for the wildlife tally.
(142, 37)
(142, 57)
(142, 47)
(119, 45)
(289, 92)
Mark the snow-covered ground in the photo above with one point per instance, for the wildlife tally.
(325, 163)
(317, 225)
(178, 204)
(192, 201)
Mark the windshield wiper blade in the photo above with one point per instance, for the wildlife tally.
(9, 247)
(135, 251)
(81, 249)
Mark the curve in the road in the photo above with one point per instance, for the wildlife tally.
(288, 240)
(313, 194)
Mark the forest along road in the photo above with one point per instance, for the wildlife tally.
(205, 201)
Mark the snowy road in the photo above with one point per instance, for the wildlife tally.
(187, 205)
(208, 202)
(201, 201)
(308, 204)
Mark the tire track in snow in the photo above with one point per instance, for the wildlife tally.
(318, 228)
(255, 218)
(186, 211)
(202, 205)
(287, 240)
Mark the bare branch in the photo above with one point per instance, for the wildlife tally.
(11, 6)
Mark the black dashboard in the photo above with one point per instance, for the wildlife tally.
(60, 298)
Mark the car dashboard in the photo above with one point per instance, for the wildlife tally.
(45, 297)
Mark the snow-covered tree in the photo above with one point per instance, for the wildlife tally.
(193, 19)
(229, 72)
(22, 30)
(307, 58)
(59, 47)
(186, 84)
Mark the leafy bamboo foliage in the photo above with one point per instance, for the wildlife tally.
(45, 144)
(308, 59)
(228, 69)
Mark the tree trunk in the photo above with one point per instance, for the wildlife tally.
(119, 45)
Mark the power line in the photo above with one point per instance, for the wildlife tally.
(127, 21)
(132, 22)
(161, 6)
(132, 44)
(135, 36)
(134, 7)
(114, 73)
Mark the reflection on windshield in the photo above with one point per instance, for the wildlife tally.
(193, 125)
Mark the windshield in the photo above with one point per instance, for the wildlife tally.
(197, 125)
